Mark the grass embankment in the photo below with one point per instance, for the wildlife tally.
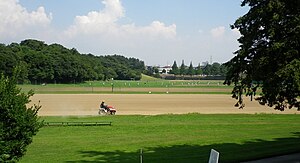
(167, 138)
(149, 78)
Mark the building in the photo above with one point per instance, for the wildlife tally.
(164, 69)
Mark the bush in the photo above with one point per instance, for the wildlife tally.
(18, 124)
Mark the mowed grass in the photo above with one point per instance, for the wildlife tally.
(136, 87)
(166, 138)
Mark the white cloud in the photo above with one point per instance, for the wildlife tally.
(15, 20)
(156, 29)
(218, 32)
(100, 32)
(104, 23)
(98, 21)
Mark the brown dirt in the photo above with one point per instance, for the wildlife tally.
(146, 104)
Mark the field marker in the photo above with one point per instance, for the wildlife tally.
(214, 156)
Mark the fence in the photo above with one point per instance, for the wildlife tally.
(77, 123)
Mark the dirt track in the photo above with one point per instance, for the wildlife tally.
(145, 104)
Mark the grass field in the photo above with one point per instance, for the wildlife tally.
(166, 138)
(138, 87)
(163, 138)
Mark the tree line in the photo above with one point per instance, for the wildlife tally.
(42, 63)
(214, 69)
(207, 69)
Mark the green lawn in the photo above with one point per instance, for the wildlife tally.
(125, 87)
(139, 84)
(166, 138)
(149, 78)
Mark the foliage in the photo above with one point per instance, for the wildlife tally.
(191, 70)
(42, 63)
(198, 70)
(182, 69)
(214, 69)
(269, 53)
(152, 71)
(124, 68)
(18, 124)
(175, 69)
(8, 60)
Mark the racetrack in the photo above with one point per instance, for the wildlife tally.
(146, 104)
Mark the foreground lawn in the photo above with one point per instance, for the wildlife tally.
(166, 138)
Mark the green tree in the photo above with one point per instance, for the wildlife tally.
(109, 73)
(223, 70)
(198, 70)
(8, 60)
(175, 69)
(56, 64)
(269, 53)
(18, 124)
(182, 70)
(207, 69)
(156, 71)
(215, 68)
(33, 44)
(191, 70)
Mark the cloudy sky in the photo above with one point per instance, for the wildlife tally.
(158, 32)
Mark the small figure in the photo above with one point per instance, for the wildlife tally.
(103, 105)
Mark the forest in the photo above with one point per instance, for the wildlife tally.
(42, 63)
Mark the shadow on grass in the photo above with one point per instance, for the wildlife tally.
(229, 152)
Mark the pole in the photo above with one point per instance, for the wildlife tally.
(141, 155)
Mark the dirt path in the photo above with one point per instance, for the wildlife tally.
(146, 104)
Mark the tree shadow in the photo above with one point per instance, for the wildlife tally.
(229, 152)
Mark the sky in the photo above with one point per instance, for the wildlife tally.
(157, 32)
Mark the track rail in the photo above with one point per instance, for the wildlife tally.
(77, 123)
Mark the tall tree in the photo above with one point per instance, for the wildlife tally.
(207, 69)
(175, 69)
(182, 70)
(223, 70)
(18, 124)
(269, 53)
(198, 70)
(215, 68)
(8, 60)
(191, 70)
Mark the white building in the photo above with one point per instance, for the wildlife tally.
(164, 69)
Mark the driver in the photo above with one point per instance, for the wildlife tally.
(103, 105)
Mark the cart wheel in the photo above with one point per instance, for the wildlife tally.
(101, 112)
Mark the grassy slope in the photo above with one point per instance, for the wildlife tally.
(167, 138)
(149, 78)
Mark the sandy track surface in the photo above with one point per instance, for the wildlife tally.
(146, 104)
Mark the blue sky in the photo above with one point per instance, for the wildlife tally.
(157, 31)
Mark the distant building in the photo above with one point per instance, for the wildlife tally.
(164, 69)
